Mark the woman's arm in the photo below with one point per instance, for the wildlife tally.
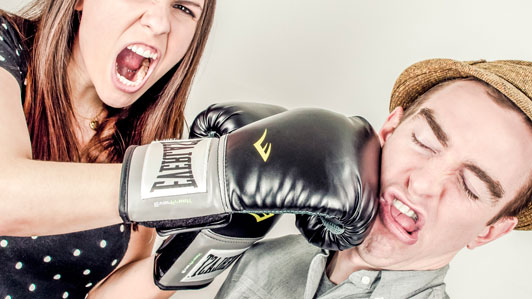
(134, 276)
(43, 197)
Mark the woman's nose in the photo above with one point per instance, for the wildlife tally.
(156, 18)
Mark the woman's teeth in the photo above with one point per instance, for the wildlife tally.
(405, 209)
(144, 52)
(139, 74)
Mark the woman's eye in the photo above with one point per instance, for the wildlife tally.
(184, 9)
(421, 144)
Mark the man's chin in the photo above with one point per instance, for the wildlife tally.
(381, 243)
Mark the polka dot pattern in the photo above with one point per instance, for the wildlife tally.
(61, 266)
(68, 271)
(12, 53)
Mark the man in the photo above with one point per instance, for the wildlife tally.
(455, 173)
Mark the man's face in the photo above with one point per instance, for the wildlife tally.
(446, 171)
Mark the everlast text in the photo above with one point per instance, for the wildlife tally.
(176, 166)
(215, 263)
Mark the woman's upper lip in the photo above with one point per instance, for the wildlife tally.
(152, 49)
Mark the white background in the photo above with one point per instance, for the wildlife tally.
(344, 55)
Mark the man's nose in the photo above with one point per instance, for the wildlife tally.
(156, 18)
(426, 181)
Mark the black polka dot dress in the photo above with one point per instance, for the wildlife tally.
(61, 266)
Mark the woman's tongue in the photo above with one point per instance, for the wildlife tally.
(406, 222)
(128, 62)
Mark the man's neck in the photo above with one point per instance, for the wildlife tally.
(343, 263)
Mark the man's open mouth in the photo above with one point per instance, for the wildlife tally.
(404, 215)
(134, 64)
(400, 218)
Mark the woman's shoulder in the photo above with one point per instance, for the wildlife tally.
(13, 54)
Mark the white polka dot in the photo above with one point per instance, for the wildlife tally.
(87, 272)
(103, 243)
(7, 297)
(2, 58)
(16, 51)
(86, 295)
(88, 285)
(47, 259)
(57, 276)
(65, 295)
(5, 26)
(18, 266)
(113, 263)
(1, 38)
(33, 237)
(76, 252)
(25, 83)
(122, 228)
(3, 243)
(32, 287)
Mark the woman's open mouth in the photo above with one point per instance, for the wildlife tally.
(133, 66)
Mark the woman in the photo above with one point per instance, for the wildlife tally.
(80, 81)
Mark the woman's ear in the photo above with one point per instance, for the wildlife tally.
(391, 123)
(79, 5)
(494, 231)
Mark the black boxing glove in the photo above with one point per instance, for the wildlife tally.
(192, 260)
(306, 161)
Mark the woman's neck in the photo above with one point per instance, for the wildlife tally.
(86, 104)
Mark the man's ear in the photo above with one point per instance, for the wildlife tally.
(494, 231)
(392, 121)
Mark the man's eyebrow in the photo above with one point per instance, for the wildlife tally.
(428, 115)
(493, 185)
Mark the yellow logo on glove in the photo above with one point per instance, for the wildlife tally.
(260, 218)
(265, 150)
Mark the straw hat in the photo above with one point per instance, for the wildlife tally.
(511, 77)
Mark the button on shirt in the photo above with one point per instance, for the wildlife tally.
(289, 267)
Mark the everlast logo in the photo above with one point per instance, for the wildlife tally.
(263, 150)
(214, 263)
(176, 166)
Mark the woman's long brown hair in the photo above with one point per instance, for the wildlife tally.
(48, 30)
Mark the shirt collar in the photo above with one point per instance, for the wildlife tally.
(383, 283)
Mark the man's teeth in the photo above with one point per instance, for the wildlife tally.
(405, 209)
(144, 52)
